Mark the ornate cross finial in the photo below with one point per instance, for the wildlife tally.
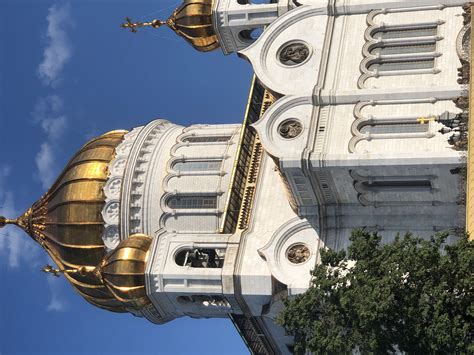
(134, 25)
(21, 221)
(83, 270)
(51, 270)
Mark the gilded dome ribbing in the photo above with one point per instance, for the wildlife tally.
(67, 220)
(193, 21)
(123, 271)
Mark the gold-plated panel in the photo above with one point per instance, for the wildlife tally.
(111, 140)
(75, 234)
(105, 153)
(86, 170)
(77, 257)
(132, 267)
(83, 190)
(125, 281)
(76, 212)
(125, 254)
(85, 282)
(123, 271)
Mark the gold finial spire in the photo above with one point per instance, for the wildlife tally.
(134, 25)
(192, 20)
(81, 270)
(20, 221)
(51, 270)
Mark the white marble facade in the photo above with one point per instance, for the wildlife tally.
(353, 137)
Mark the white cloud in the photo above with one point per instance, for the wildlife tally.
(57, 302)
(45, 163)
(46, 106)
(13, 242)
(58, 50)
(47, 113)
(54, 127)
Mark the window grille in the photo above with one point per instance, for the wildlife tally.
(397, 32)
(402, 50)
(387, 49)
(192, 202)
(193, 165)
(207, 139)
(381, 128)
(397, 184)
(394, 65)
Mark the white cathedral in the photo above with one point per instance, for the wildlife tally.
(353, 120)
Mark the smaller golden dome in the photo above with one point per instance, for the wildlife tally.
(123, 271)
(193, 21)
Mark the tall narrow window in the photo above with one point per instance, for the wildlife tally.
(397, 32)
(390, 128)
(402, 48)
(207, 139)
(194, 165)
(390, 48)
(403, 185)
(192, 202)
(388, 65)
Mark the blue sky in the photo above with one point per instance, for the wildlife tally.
(69, 73)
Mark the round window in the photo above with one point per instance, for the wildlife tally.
(290, 128)
(298, 253)
(293, 53)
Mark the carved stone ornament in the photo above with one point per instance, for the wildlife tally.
(294, 53)
(111, 237)
(463, 43)
(112, 190)
(290, 128)
(298, 253)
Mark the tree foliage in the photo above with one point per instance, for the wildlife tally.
(412, 295)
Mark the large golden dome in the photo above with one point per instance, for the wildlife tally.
(67, 220)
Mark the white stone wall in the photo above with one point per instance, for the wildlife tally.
(177, 229)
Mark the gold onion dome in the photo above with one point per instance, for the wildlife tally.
(123, 271)
(67, 221)
(192, 21)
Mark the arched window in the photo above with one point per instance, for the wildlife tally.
(206, 139)
(192, 202)
(393, 127)
(393, 65)
(406, 32)
(201, 258)
(401, 184)
(402, 49)
(390, 48)
(197, 165)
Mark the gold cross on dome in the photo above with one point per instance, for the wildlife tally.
(134, 25)
(51, 270)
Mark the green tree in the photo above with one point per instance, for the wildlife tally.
(411, 295)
